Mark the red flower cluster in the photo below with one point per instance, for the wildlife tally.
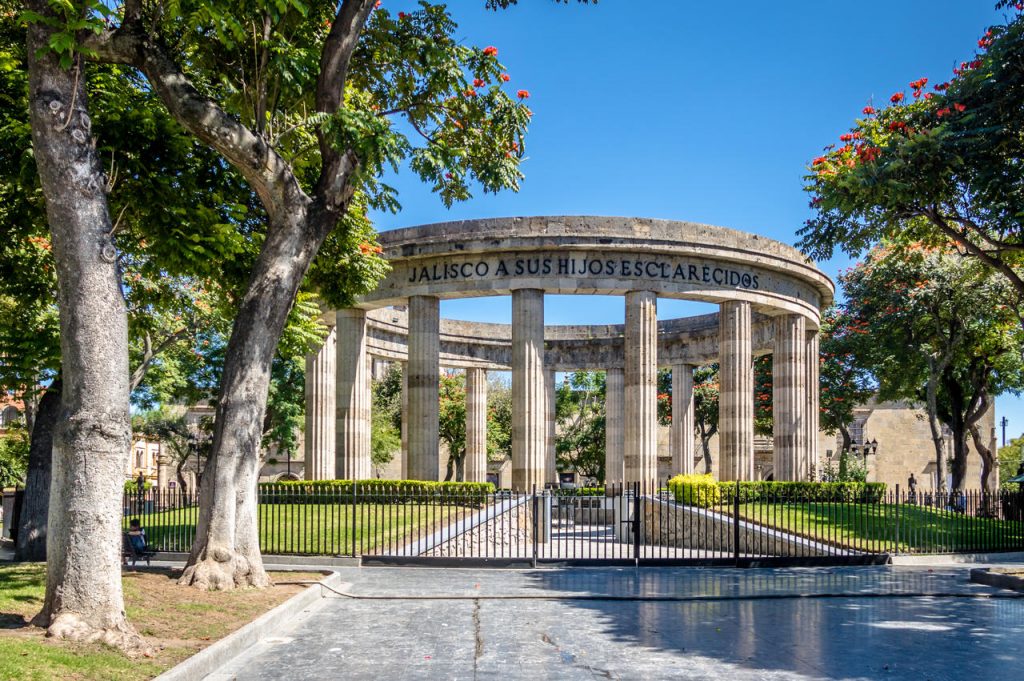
(959, 107)
(523, 94)
(819, 161)
(918, 85)
(491, 51)
(470, 92)
(897, 98)
(898, 126)
(505, 77)
(986, 42)
(868, 154)
(402, 16)
(366, 248)
(941, 87)
(868, 111)
(846, 138)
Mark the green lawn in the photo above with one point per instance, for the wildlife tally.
(314, 529)
(884, 527)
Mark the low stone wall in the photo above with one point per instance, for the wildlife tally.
(666, 523)
(503, 530)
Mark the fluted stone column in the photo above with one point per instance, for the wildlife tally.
(352, 461)
(681, 434)
(321, 384)
(529, 423)
(811, 394)
(641, 377)
(405, 421)
(789, 398)
(736, 393)
(614, 432)
(476, 425)
(550, 458)
(424, 376)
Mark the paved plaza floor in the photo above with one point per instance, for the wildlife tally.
(649, 623)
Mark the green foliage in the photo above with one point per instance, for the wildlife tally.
(763, 394)
(386, 415)
(13, 455)
(68, 19)
(578, 492)
(847, 469)
(499, 419)
(767, 491)
(942, 168)
(705, 408)
(695, 490)
(845, 381)
(452, 420)
(1010, 459)
(580, 416)
(373, 491)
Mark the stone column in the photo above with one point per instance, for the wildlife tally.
(550, 458)
(736, 393)
(476, 425)
(812, 395)
(789, 398)
(529, 427)
(405, 421)
(424, 376)
(321, 386)
(352, 461)
(641, 379)
(614, 432)
(681, 434)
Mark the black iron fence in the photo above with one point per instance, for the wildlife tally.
(636, 524)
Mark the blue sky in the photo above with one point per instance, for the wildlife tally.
(691, 110)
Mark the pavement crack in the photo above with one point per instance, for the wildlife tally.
(478, 649)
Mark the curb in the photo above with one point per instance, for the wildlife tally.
(998, 579)
(939, 559)
(273, 561)
(214, 657)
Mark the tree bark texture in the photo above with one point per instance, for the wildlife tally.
(91, 443)
(226, 549)
(35, 509)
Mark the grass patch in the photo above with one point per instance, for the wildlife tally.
(885, 527)
(313, 529)
(176, 621)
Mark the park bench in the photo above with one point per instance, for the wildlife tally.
(130, 554)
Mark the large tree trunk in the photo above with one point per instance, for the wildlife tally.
(936, 429)
(226, 551)
(91, 443)
(705, 445)
(35, 509)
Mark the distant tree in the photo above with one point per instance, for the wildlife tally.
(932, 328)
(452, 422)
(763, 395)
(499, 419)
(845, 382)
(705, 408)
(580, 417)
(386, 415)
(1010, 459)
(13, 455)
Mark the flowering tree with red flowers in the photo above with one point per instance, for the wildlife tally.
(942, 167)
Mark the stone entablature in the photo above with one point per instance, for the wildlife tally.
(599, 255)
(769, 297)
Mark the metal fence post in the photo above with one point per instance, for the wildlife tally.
(896, 542)
(536, 523)
(636, 522)
(355, 523)
(736, 522)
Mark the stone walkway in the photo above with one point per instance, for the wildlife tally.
(668, 623)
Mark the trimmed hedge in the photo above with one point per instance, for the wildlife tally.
(371, 491)
(768, 491)
(696, 490)
(579, 492)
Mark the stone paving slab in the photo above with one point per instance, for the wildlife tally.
(738, 637)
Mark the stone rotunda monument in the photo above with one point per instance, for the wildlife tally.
(769, 297)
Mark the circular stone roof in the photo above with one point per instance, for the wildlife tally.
(599, 255)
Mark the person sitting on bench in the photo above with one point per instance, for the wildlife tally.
(136, 543)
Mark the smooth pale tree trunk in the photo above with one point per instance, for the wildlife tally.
(91, 443)
(36, 506)
(226, 552)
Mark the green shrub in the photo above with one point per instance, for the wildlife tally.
(132, 487)
(696, 490)
(769, 491)
(579, 492)
(372, 491)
